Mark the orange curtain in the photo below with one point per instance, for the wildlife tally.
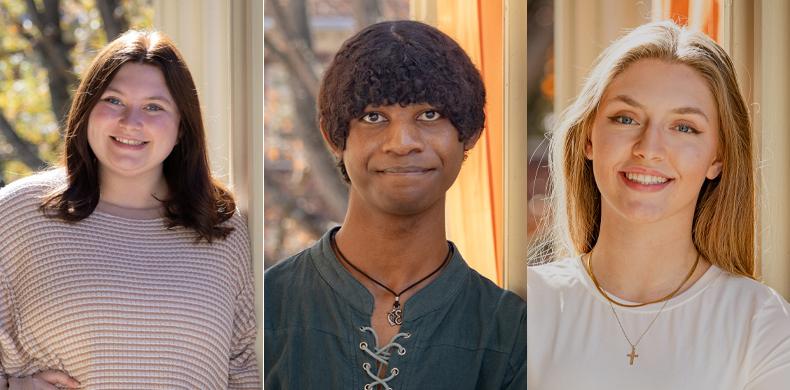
(475, 202)
(698, 14)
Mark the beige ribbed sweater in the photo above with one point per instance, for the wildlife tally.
(118, 301)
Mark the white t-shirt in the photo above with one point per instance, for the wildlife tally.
(725, 332)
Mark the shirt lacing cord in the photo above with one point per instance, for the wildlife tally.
(382, 355)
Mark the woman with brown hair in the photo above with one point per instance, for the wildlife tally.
(654, 209)
(129, 266)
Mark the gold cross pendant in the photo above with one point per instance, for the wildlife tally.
(632, 356)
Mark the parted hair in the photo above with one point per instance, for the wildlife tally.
(196, 200)
(723, 225)
(400, 62)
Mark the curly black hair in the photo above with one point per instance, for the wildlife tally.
(400, 62)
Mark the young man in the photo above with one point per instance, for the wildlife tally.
(385, 301)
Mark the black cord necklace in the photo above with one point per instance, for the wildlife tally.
(395, 316)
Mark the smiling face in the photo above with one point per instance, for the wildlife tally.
(654, 141)
(402, 160)
(134, 126)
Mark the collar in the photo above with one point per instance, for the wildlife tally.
(434, 296)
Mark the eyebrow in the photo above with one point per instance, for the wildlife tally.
(155, 97)
(680, 110)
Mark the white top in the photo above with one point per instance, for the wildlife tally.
(725, 332)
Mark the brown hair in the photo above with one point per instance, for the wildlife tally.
(196, 199)
(723, 226)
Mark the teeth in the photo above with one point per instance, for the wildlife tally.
(128, 141)
(645, 179)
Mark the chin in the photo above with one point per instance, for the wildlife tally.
(644, 214)
(406, 206)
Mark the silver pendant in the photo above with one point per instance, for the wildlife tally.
(395, 316)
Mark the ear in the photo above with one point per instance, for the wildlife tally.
(588, 149)
(714, 170)
(472, 141)
(332, 147)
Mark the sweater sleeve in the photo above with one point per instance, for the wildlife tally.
(6, 327)
(244, 373)
(12, 210)
(770, 346)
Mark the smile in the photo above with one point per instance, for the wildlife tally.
(127, 141)
(645, 179)
(405, 170)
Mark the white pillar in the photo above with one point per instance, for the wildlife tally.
(247, 133)
(773, 100)
(222, 42)
(515, 144)
(201, 30)
(582, 29)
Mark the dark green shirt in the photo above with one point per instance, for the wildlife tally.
(459, 332)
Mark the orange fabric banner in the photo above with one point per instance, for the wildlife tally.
(698, 14)
(475, 202)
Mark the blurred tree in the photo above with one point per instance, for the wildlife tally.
(290, 41)
(304, 192)
(43, 46)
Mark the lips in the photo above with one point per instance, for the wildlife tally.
(128, 141)
(404, 170)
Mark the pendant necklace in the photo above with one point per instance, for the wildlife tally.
(633, 355)
(394, 316)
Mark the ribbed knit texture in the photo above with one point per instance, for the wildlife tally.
(122, 303)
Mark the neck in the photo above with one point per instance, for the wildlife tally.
(139, 191)
(641, 262)
(393, 249)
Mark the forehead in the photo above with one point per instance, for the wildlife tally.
(658, 84)
(142, 79)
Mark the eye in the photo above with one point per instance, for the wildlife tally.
(623, 120)
(112, 100)
(430, 116)
(153, 107)
(372, 117)
(684, 128)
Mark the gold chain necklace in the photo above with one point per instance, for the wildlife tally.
(669, 296)
(633, 355)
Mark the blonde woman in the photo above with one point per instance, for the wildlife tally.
(654, 208)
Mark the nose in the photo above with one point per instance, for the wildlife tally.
(650, 144)
(403, 138)
(131, 119)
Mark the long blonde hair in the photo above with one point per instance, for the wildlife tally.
(723, 226)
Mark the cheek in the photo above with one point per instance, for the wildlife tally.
(696, 160)
(354, 156)
(166, 127)
(454, 154)
(605, 148)
(98, 121)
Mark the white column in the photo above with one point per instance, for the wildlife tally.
(515, 144)
(247, 133)
(222, 42)
(773, 100)
(201, 30)
(582, 29)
